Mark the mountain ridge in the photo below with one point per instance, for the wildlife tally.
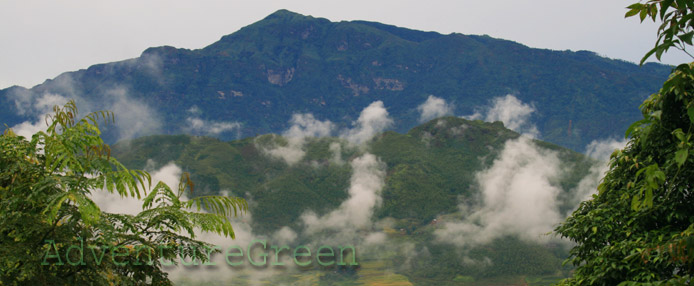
(288, 63)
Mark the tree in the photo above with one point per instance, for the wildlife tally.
(48, 216)
(639, 227)
(677, 25)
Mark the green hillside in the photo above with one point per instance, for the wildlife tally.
(430, 170)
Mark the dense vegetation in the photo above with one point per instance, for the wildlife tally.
(50, 224)
(639, 228)
(428, 162)
(431, 169)
(288, 63)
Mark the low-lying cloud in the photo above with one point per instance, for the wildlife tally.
(512, 112)
(372, 120)
(518, 196)
(114, 203)
(355, 213)
(303, 126)
(198, 126)
(38, 108)
(134, 117)
(602, 149)
(433, 107)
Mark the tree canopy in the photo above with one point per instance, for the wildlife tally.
(48, 215)
(639, 227)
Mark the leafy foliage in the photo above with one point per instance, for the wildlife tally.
(639, 228)
(676, 28)
(45, 201)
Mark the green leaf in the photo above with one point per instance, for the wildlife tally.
(659, 52)
(648, 200)
(690, 112)
(635, 203)
(687, 37)
(643, 14)
(679, 134)
(635, 6)
(648, 55)
(664, 7)
(631, 13)
(639, 173)
(54, 206)
(634, 126)
(681, 156)
(657, 114)
(681, 4)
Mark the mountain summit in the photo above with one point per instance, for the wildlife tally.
(252, 81)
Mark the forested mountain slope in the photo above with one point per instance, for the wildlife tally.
(252, 81)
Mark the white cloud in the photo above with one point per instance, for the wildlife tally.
(134, 118)
(45, 103)
(434, 107)
(27, 128)
(194, 110)
(114, 203)
(602, 149)
(375, 238)
(512, 112)
(587, 186)
(40, 107)
(28, 103)
(302, 126)
(199, 126)
(355, 213)
(372, 120)
(305, 125)
(23, 100)
(518, 197)
(153, 65)
(291, 153)
(207, 127)
(284, 236)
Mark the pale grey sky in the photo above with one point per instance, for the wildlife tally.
(40, 39)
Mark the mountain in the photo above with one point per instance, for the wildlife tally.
(432, 174)
(252, 81)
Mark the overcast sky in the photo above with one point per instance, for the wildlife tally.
(41, 39)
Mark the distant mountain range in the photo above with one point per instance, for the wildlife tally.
(252, 81)
(447, 201)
